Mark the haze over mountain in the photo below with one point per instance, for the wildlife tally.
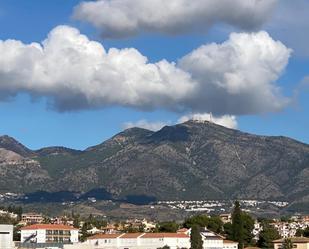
(193, 160)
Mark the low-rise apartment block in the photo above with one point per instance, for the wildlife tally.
(49, 233)
(158, 240)
(31, 218)
(140, 240)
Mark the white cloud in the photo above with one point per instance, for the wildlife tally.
(153, 126)
(76, 73)
(236, 77)
(228, 121)
(289, 23)
(122, 18)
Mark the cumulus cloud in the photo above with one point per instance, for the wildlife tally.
(153, 126)
(228, 121)
(122, 18)
(76, 73)
(289, 23)
(236, 77)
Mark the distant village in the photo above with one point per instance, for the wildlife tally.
(34, 230)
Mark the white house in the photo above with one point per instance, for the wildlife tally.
(173, 240)
(139, 240)
(49, 233)
(6, 237)
(228, 244)
(211, 240)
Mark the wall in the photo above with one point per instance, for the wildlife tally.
(6, 237)
(40, 235)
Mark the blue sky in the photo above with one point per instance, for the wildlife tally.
(32, 122)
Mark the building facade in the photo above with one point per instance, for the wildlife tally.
(139, 241)
(6, 237)
(158, 240)
(211, 240)
(298, 243)
(31, 218)
(228, 244)
(49, 233)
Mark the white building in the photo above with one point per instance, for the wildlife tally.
(288, 229)
(31, 218)
(211, 240)
(140, 240)
(78, 246)
(157, 240)
(228, 244)
(49, 233)
(6, 237)
(257, 230)
(226, 218)
(148, 225)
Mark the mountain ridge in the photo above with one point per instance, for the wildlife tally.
(193, 160)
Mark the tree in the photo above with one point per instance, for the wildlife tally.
(212, 223)
(268, 234)
(238, 232)
(240, 229)
(248, 224)
(306, 232)
(199, 220)
(164, 247)
(16, 233)
(285, 219)
(302, 232)
(287, 244)
(168, 227)
(215, 224)
(196, 238)
(76, 220)
(84, 231)
(299, 232)
(227, 227)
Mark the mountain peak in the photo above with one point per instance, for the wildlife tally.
(9, 143)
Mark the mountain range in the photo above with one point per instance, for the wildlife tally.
(189, 161)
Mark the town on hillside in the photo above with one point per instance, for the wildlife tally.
(236, 230)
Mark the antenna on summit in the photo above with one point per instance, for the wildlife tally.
(210, 117)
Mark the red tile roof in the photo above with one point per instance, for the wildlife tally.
(165, 235)
(141, 235)
(48, 227)
(106, 236)
(131, 235)
(182, 230)
(294, 240)
(229, 241)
